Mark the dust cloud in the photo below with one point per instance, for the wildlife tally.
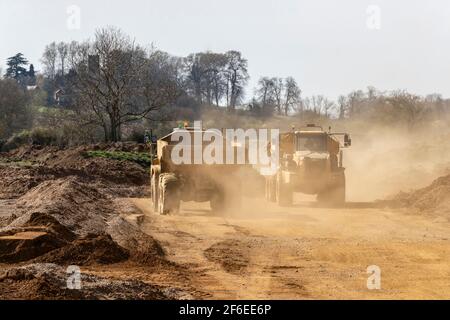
(384, 160)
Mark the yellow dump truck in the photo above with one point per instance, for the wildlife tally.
(311, 162)
(173, 182)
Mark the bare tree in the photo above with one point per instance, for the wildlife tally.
(49, 60)
(237, 77)
(264, 91)
(214, 84)
(195, 72)
(278, 87)
(342, 104)
(62, 49)
(354, 101)
(407, 106)
(292, 95)
(118, 82)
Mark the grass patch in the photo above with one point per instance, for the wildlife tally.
(142, 158)
(12, 162)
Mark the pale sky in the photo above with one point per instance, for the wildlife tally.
(331, 47)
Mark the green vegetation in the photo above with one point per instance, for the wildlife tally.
(13, 162)
(142, 158)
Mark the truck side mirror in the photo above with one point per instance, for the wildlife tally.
(347, 140)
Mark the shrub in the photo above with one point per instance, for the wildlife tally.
(17, 140)
(44, 136)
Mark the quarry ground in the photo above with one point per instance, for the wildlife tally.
(305, 251)
(62, 209)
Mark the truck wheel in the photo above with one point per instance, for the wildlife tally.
(284, 193)
(155, 190)
(270, 189)
(169, 194)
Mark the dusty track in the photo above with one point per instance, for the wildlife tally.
(305, 252)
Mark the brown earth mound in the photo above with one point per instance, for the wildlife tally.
(25, 168)
(75, 205)
(40, 234)
(50, 281)
(434, 199)
(73, 223)
(124, 172)
(16, 181)
(93, 249)
(142, 247)
(26, 244)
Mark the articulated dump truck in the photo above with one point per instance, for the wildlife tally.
(311, 162)
(173, 182)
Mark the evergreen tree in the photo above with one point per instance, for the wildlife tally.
(31, 76)
(16, 67)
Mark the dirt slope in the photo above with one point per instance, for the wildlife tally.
(433, 200)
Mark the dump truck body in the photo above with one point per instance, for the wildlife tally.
(172, 182)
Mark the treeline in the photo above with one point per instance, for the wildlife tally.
(111, 88)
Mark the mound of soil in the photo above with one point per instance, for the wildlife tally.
(434, 199)
(142, 248)
(40, 234)
(26, 244)
(49, 281)
(26, 167)
(75, 205)
(93, 249)
(66, 221)
(75, 159)
(16, 181)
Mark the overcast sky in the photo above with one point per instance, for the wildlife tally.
(331, 47)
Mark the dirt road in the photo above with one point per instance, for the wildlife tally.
(305, 252)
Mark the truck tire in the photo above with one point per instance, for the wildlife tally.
(270, 189)
(284, 192)
(154, 189)
(169, 194)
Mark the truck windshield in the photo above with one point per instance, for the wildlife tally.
(317, 143)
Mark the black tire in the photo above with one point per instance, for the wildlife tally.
(284, 192)
(169, 194)
(270, 192)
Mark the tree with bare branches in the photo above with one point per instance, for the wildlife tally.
(118, 82)
(237, 77)
(292, 95)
